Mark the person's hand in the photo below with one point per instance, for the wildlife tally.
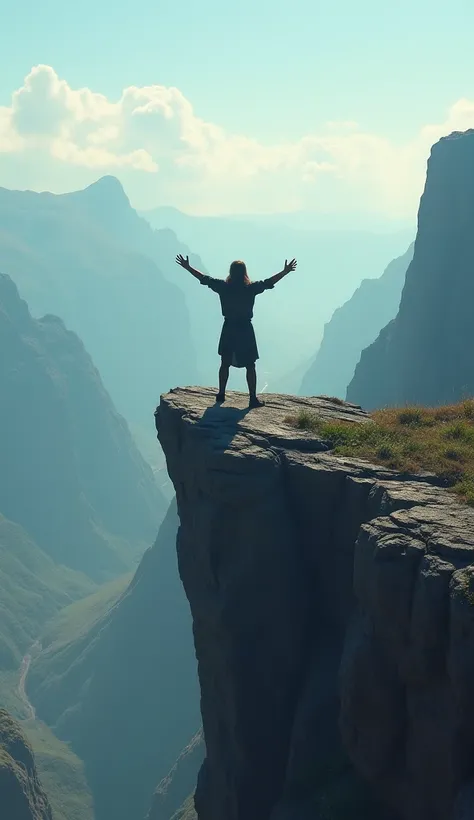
(183, 261)
(290, 266)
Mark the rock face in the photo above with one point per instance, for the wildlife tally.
(425, 354)
(71, 474)
(21, 794)
(333, 604)
(353, 327)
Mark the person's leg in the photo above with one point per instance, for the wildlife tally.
(252, 380)
(223, 378)
(252, 385)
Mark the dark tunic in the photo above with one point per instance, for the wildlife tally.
(237, 344)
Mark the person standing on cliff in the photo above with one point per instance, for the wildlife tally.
(237, 344)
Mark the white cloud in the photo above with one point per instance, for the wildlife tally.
(165, 154)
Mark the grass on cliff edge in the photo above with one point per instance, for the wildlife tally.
(439, 440)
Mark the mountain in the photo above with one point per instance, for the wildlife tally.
(71, 476)
(21, 795)
(353, 327)
(89, 258)
(424, 355)
(121, 686)
(289, 320)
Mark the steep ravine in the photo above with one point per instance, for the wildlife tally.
(333, 619)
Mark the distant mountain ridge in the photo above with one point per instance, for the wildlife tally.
(354, 326)
(90, 259)
(71, 474)
(289, 320)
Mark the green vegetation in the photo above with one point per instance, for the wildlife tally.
(61, 774)
(187, 811)
(32, 589)
(439, 440)
(34, 592)
(61, 771)
(9, 696)
(76, 620)
(21, 794)
(65, 642)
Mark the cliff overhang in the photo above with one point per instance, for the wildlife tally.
(333, 617)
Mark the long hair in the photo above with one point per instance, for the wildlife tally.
(238, 273)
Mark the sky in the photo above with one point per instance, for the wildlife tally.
(249, 107)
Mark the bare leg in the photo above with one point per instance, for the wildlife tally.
(223, 377)
(252, 380)
(252, 385)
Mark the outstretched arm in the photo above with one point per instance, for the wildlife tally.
(289, 266)
(184, 262)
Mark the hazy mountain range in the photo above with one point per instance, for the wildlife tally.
(71, 473)
(354, 326)
(78, 505)
(289, 320)
(96, 651)
(82, 256)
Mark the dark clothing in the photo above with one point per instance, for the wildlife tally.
(237, 344)
(236, 300)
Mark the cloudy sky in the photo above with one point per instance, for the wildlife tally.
(254, 106)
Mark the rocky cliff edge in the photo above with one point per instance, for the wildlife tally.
(333, 608)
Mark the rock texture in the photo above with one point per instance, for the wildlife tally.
(354, 326)
(425, 354)
(333, 604)
(71, 474)
(21, 794)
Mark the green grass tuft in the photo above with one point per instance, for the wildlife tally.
(438, 440)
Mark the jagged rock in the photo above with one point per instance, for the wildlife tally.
(424, 355)
(333, 618)
(21, 794)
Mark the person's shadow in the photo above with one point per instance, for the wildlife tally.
(224, 421)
